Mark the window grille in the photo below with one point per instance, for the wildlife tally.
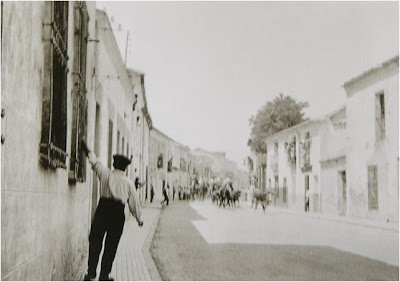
(77, 169)
(52, 148)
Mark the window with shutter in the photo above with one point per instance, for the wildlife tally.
(52, 148)
(77, 169)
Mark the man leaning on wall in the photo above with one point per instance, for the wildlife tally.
(116, 189)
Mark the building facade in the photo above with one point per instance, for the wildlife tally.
(47, 86)
(208, 165)
(158, 159)
(372, 152)
(170, 164)
(141, 125)
(293, 167)
(333, 164)
(113, 111)
(346, 163)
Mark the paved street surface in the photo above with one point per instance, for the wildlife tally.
(278, 227)
(199, 241)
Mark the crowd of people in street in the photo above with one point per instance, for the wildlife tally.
(219, 192)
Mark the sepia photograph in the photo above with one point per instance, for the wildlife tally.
(199, 140)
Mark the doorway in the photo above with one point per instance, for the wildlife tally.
(276, 189)
(284, 192)
(294, 189)
(147, 177)
(307, 193)
(342, 201)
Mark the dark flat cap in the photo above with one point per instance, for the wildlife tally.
(122, 160)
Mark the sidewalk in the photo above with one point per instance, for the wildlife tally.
(133, 261)
(344, 219)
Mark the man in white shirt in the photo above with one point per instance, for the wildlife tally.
(116, 189)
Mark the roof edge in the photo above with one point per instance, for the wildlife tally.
(349, 83)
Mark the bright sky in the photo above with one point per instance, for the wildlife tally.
(211, 65)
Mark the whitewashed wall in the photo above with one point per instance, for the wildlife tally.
(44, 220)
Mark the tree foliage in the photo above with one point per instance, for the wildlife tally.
(283, 112)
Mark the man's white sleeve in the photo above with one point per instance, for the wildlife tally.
(101, 171)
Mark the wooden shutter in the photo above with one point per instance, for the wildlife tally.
(52, 147)
(77, 169)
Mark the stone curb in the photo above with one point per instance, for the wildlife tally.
(151, 266)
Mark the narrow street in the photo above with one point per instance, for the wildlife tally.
(113, 105)
(199, 241)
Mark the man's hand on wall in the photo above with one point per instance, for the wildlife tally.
(85, 147)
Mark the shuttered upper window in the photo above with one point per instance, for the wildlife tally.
(77, 169)
(52, 146)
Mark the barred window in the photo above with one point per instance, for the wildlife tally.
(52, 148)
(77, 169)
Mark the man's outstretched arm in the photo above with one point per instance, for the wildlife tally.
(97, 166)
(89, 153)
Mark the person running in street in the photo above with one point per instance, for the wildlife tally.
(307, 201)
(138, 184)
(116, 189)
(151, 193)
(165, 194)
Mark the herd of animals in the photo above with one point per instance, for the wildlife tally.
(221, 194)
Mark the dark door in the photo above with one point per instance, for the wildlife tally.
(307, 193)
(372, 187)
(342, 193)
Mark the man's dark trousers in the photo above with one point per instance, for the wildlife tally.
(109, 218)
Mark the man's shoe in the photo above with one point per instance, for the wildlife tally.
(106, 279)
(88, 278)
